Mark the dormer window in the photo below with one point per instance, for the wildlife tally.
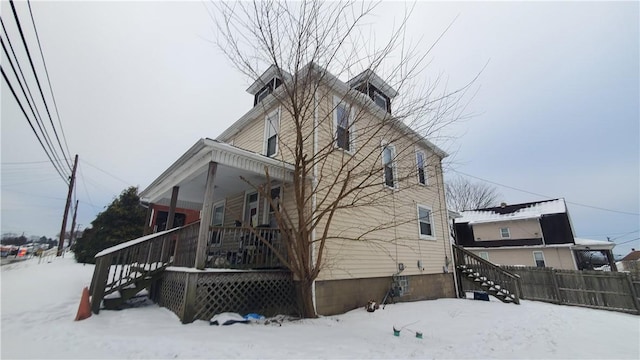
(266, 90)
(375, 88)
(380, 99)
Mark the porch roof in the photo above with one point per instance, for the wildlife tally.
(189, 172)
(589, 244)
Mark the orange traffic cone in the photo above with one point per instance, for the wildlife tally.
(84, 310)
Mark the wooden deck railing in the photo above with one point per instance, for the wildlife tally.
(244, 248)
(491, 271)
(123, 265)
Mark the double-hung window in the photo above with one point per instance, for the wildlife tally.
(505, 233)
(538, 257)
(422, 174)
(271, 127)
(343, 125)
(388, 165)
(217, 220)
(425, 222)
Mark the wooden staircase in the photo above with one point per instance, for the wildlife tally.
(486, 276)
(128, 270)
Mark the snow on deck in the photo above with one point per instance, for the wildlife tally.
(133, 242)
(532, 212)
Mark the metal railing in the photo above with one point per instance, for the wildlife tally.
(489, 270)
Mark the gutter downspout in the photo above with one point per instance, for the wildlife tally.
(314, 184)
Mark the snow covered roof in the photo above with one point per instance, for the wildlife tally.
(593, 244)
(531, 210)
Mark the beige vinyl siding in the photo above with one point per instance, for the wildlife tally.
(356, 250)
(252, 136)
(518, 229)
(559, 258)
(353, 248)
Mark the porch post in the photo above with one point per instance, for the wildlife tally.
(612, 261)
(205, 219)
(172, 208)
(147, 220)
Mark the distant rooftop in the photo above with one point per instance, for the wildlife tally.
(529, 210)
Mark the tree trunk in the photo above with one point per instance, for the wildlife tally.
(305, 299)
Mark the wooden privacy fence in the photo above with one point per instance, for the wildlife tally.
(593, 289)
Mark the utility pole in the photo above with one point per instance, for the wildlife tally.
(66, 207)
(73, 224)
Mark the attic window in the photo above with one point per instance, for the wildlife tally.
(266, 90)
(380, 99)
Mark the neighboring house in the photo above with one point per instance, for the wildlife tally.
(531, 234)
(631, 262)
(213, 175)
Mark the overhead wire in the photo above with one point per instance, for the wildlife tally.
(34, 109)
(55, 104)
(30, 124)
(541, 195)
(35, 74)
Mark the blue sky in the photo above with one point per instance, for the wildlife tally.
(556, 108)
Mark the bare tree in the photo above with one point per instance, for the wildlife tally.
(463, 194)
(310, 45)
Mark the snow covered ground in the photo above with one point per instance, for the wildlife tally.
(39, 303)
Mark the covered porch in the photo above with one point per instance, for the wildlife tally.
(229, 259)
(594, 255)
(237, 227)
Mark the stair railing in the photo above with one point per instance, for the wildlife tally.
(492, 272)
(122, 265)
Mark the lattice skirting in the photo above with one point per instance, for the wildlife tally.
(200, 295)
(171, 291)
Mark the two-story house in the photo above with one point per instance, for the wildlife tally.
(389, 229)
(530, 234)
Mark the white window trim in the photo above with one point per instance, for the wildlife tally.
(424, 168)
(535, 262)
(433, 227)
(394, 166)
(244, 203)
(266, 132)
(352, 128)
(486, 257)
(508, 233)
(258, 99)
(265, 210)
(215, 205)
(378, 94)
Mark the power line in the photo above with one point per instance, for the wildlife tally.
(625, 234)
(34, 112)
(33, 68)
(544, 196)
(55, 104)
(30, 124)
(113, 176)
(628, 241)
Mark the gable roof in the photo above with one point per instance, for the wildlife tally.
(632, 256)
(531, 210)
